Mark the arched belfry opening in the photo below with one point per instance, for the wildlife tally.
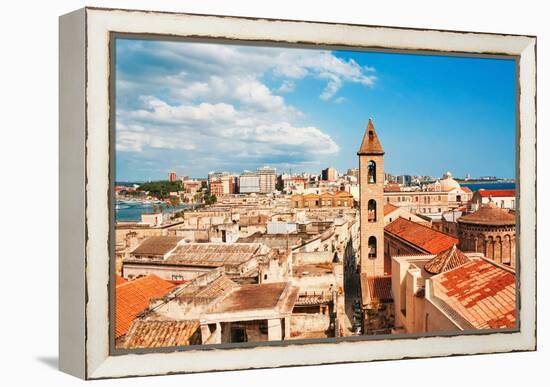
(372, 210)
(371, 172)
(372, 247)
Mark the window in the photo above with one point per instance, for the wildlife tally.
(372, 211)
(372, 247)
(371, 172)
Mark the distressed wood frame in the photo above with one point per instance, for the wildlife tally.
(85, 178)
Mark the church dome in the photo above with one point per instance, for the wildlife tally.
(448, 183)
(490, 214)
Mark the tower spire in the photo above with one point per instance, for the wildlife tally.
(370, 144)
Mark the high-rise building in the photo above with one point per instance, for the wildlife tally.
(268, 179)
(216, 188)
(172, 177)
(249, 182)
(404, 179)
(371, 180)
(329, 174)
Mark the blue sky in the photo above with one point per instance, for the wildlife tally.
(198, 107)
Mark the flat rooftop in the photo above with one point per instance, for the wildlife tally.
(280, 296)
(213, 254)
(315, 269)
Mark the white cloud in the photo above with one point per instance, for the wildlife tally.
(184, 97)
(192, 126)
(159, 111)
(136, 138)
(286, 87)
(308, 138)
(339, 100)
(197, 60)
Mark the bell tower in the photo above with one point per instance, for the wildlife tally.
(371, 183)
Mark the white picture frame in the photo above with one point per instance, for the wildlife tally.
(85, 175)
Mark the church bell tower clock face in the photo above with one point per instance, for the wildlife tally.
(371, 180)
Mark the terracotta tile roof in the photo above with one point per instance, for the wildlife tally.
(500, 193)
(132, 297)
(370, 144)
(481, 292)
(389, 208)
(156, 334)
(157, 245)
(489, 215)
(119, 280)
(424, 237)
(446, 260)
(376, 288)
(259, 296)
(213, 254)
(466, 189)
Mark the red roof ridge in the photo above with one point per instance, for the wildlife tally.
(497, 192)
(434, 245)
(422, 225)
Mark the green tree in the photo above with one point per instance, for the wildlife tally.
(161, 189)
(209, 199)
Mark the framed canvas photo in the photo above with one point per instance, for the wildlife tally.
(242, 193)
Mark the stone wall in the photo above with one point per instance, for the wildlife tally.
(311, 258)
(308, 322)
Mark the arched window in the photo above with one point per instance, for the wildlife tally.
(372, 247)
(371, 172)
(372, 211)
